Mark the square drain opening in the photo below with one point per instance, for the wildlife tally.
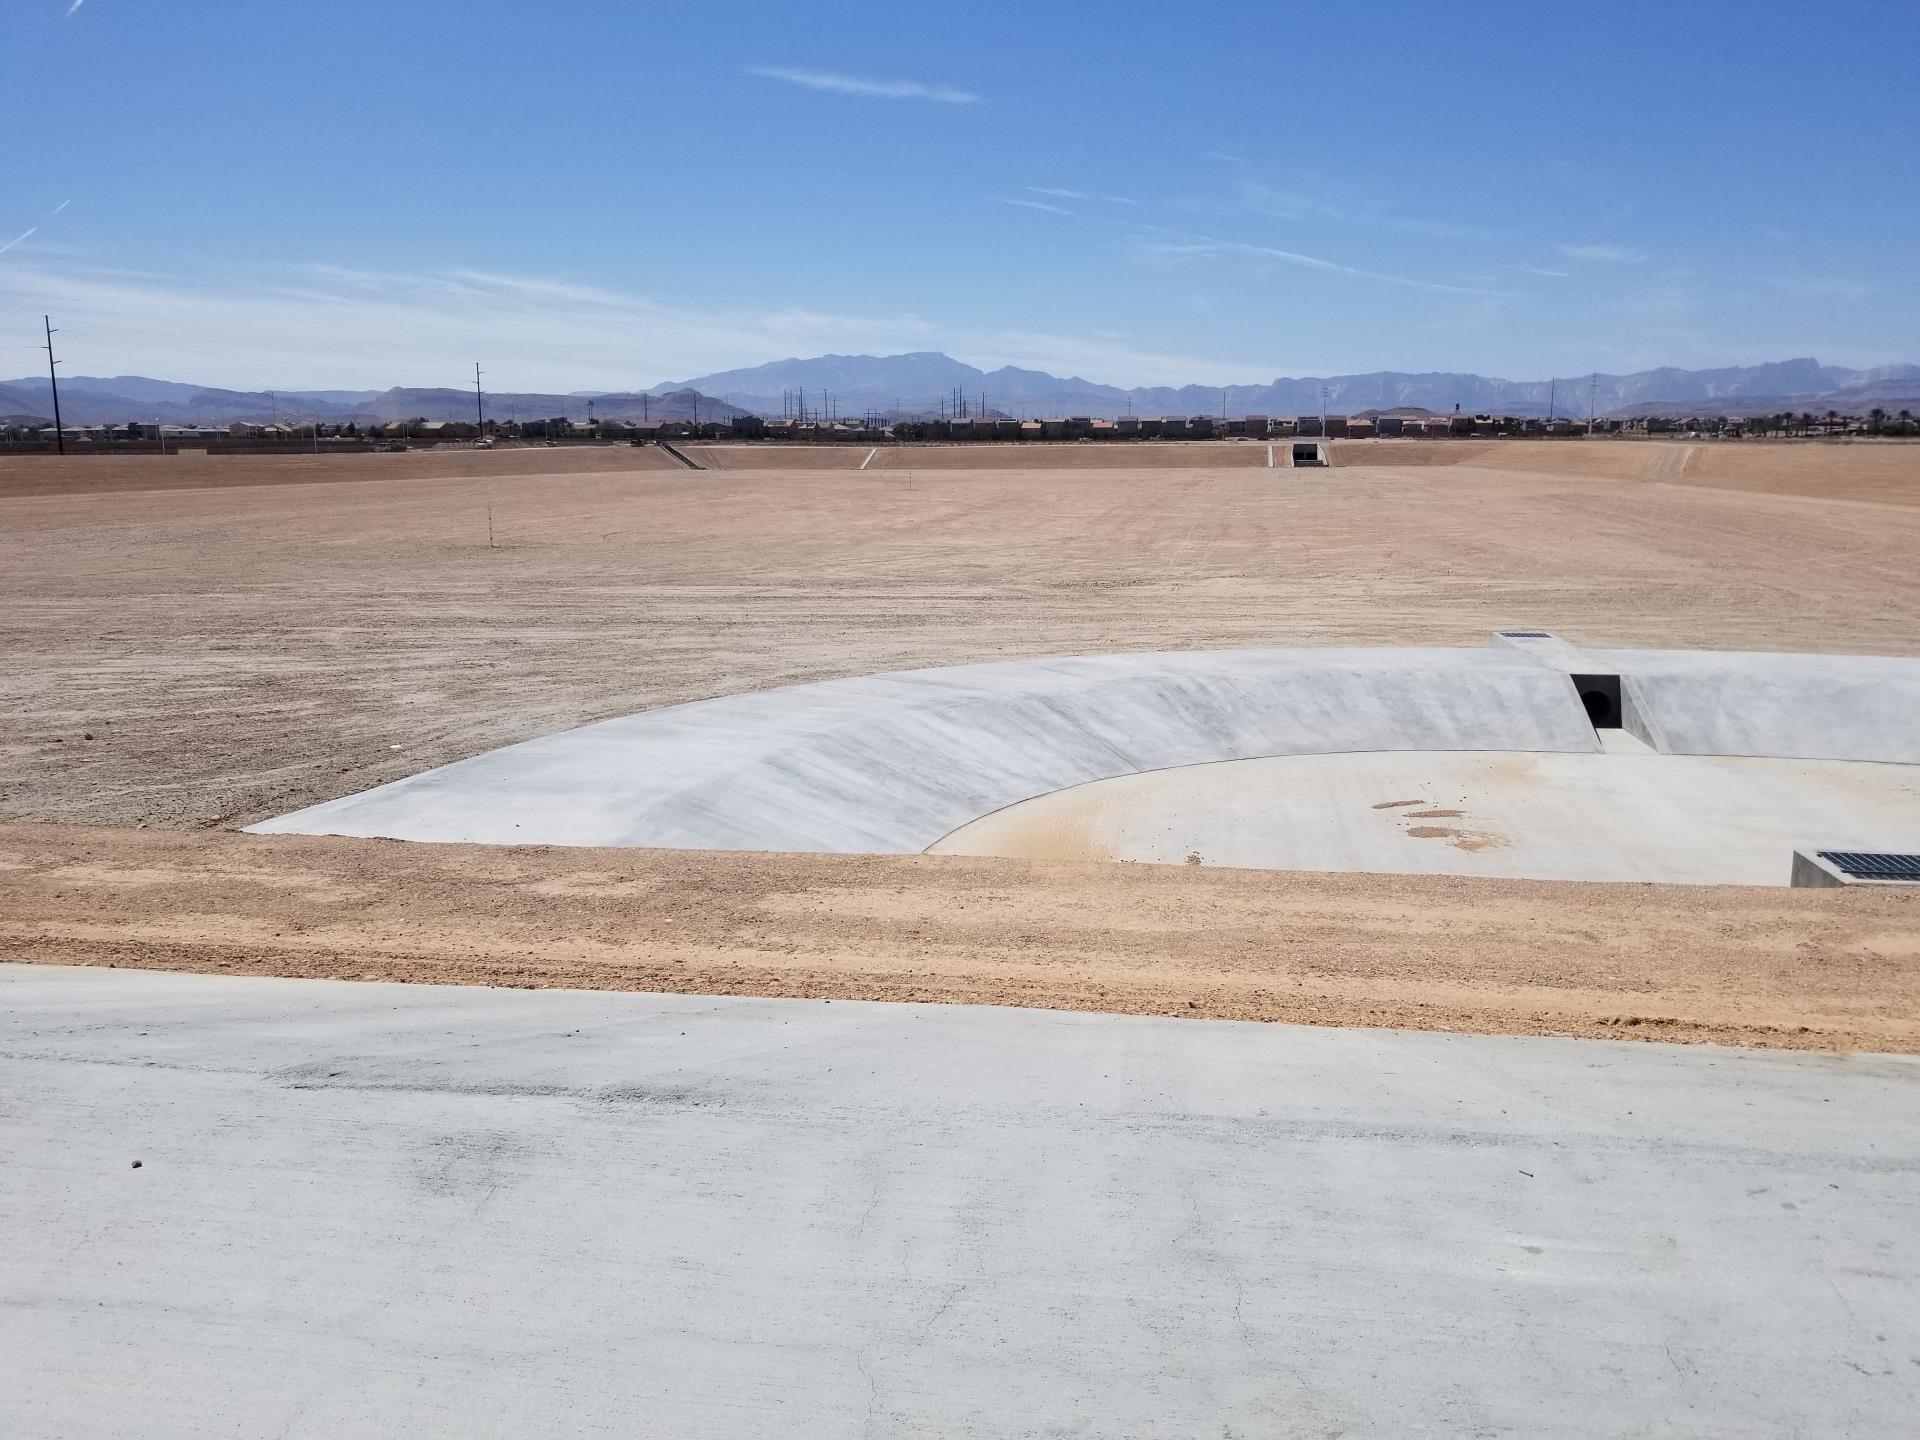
(1600, 695)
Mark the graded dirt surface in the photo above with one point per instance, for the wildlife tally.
(199, 643)
(1803, 969)
(217, 656)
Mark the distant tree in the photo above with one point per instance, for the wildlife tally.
(1876, 419)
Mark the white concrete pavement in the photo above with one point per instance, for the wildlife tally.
(367, 1210)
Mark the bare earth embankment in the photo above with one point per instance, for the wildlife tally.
(189, 653)
(1787, 968)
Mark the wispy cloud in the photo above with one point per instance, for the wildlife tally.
(1820, 287)
(1296, 205)
(1158, 242)
(1604, 254)
(330, 326)
(1035, 205)
(1550, 274)
(1060, 194)
(1176, 247)
(838, 84)
(75, 6)
(32, 230)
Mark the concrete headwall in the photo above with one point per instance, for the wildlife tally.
(1807, 707)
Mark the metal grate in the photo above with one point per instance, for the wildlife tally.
(1526, 635)
(1870, 865)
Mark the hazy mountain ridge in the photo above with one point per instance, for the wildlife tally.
(86, 400)
(917, 381)
(920, 382)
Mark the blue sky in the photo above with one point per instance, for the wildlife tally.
(592, 194)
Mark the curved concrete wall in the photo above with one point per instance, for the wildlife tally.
(1801, 707)
(890, 763)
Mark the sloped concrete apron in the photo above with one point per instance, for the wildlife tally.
(890, 763)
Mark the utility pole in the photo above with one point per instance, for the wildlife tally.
(479, 409)
(1593, 391)
(1323, 414)
(59, 432)
(1553, 387)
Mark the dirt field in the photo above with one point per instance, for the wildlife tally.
(186, 651)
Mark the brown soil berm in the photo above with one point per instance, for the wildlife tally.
(1798, 969)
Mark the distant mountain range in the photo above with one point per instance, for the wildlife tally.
(919, 384)
(94, 400)
(916, 383)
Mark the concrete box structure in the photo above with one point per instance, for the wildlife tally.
(1815, 870)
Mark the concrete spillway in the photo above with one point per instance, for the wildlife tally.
(894, 763)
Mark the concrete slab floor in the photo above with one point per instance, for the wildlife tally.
(1625, 815)
(366, 1210)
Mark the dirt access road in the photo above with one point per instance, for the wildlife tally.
(187, 653)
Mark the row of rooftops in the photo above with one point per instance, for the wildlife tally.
(1001, 428)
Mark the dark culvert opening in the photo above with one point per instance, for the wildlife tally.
(1600, 694)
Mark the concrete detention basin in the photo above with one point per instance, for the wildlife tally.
(897, 763)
